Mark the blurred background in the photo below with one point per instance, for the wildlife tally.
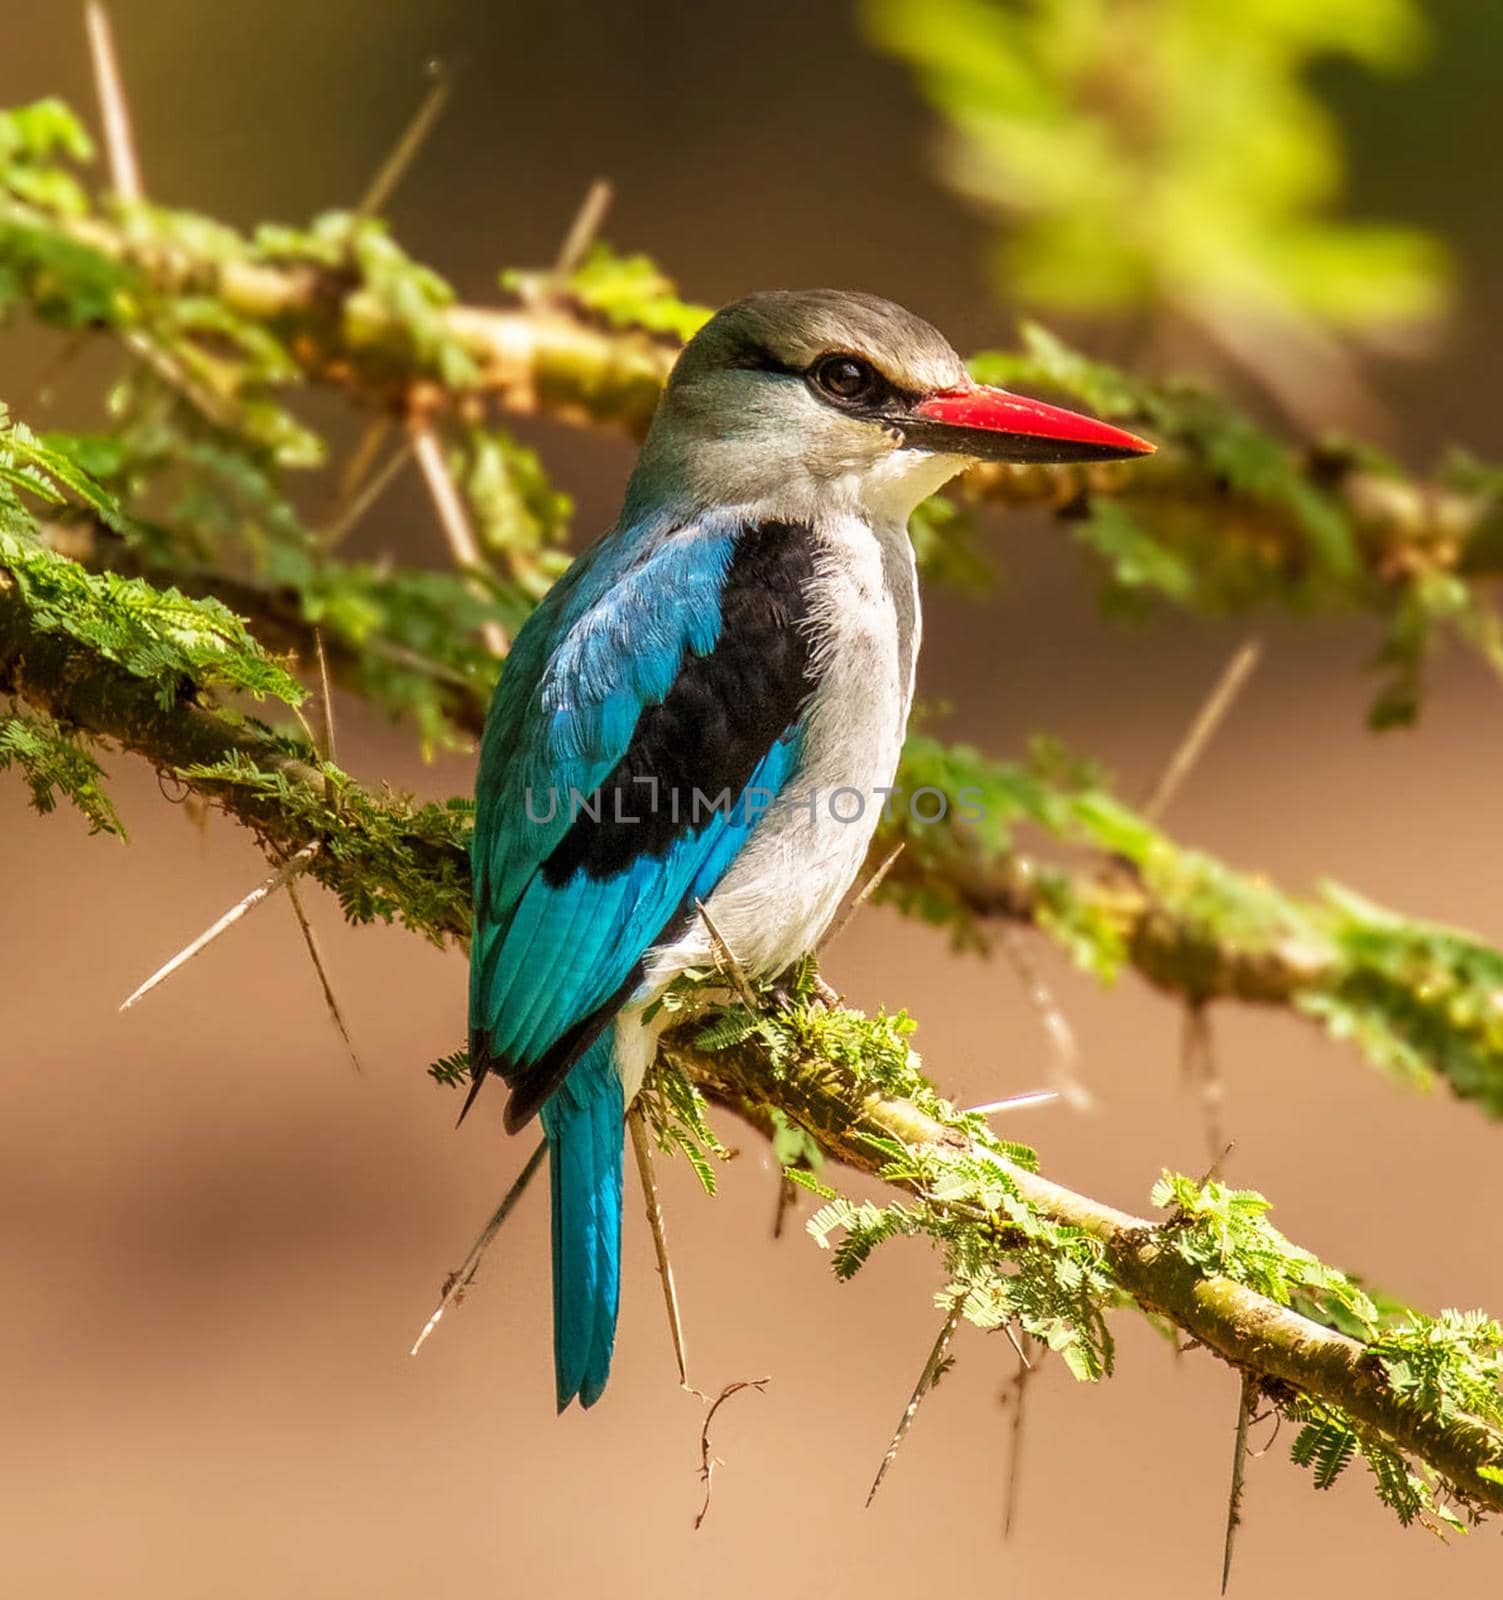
(218, 1242)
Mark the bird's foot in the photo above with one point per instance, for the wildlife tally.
(783, 997)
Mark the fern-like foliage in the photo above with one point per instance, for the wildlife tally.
(56, 763)
(679, 1118)
(156, 634)
(1418, 999)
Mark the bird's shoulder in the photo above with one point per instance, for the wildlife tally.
(605, 640)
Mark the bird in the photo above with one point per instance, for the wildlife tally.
(675, 713)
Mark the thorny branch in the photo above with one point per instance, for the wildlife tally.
(1182, 956)
(384, 857)
(1284, 1351)
(707, 1461)
(541, 350)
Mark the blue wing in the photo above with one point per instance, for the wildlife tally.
(669, 666)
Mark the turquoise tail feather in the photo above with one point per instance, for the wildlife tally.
(584, 1123)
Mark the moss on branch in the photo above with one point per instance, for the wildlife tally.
(1214, 1269)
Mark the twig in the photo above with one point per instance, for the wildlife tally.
(455, 521)
(1198, 1058)
(788, 1193)
(1278, 1428)
(356, 504)
(920, 1389)
(284, 874)
(1026, 1371)
(315, 955)
(457, 1282)
(404, 152)
(726, 960)
(326, 696)
(1212, 713)
(585, 226)
(309, 736)
(863, 894)
(1014, 1341)
(114, 109)
(637, 1123)
(447, 501)
(1213, 1172)
(707, 1462)
(1246, 1405)
(1064, 1052)
(358, 463)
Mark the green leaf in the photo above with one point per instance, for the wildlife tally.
(55, 762)
(632, 291)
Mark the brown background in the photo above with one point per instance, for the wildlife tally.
(217, 1242)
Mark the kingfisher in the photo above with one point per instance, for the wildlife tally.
(675, 719)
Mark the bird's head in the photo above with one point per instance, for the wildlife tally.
(812, 402)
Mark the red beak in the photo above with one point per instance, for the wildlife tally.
(993, 425)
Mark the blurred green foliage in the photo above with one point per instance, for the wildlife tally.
(1167, 154)
(1247, 521)
(1420, 1001)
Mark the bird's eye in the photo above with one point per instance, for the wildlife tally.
(846, 378)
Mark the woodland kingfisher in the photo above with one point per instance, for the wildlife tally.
(674, 715)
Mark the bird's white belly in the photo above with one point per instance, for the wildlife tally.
(782, 891)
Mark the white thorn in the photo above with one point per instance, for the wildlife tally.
(1017, 1102)
(283, 875)
(114, 112)
(454, 520)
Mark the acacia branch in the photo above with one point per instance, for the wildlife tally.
(1284, 953)
(1177, 955)
(1283, 1350)
(542, 350)
(383, 856)
(537, 355)
(82, 689)
(386, 858)
(1180, 958)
